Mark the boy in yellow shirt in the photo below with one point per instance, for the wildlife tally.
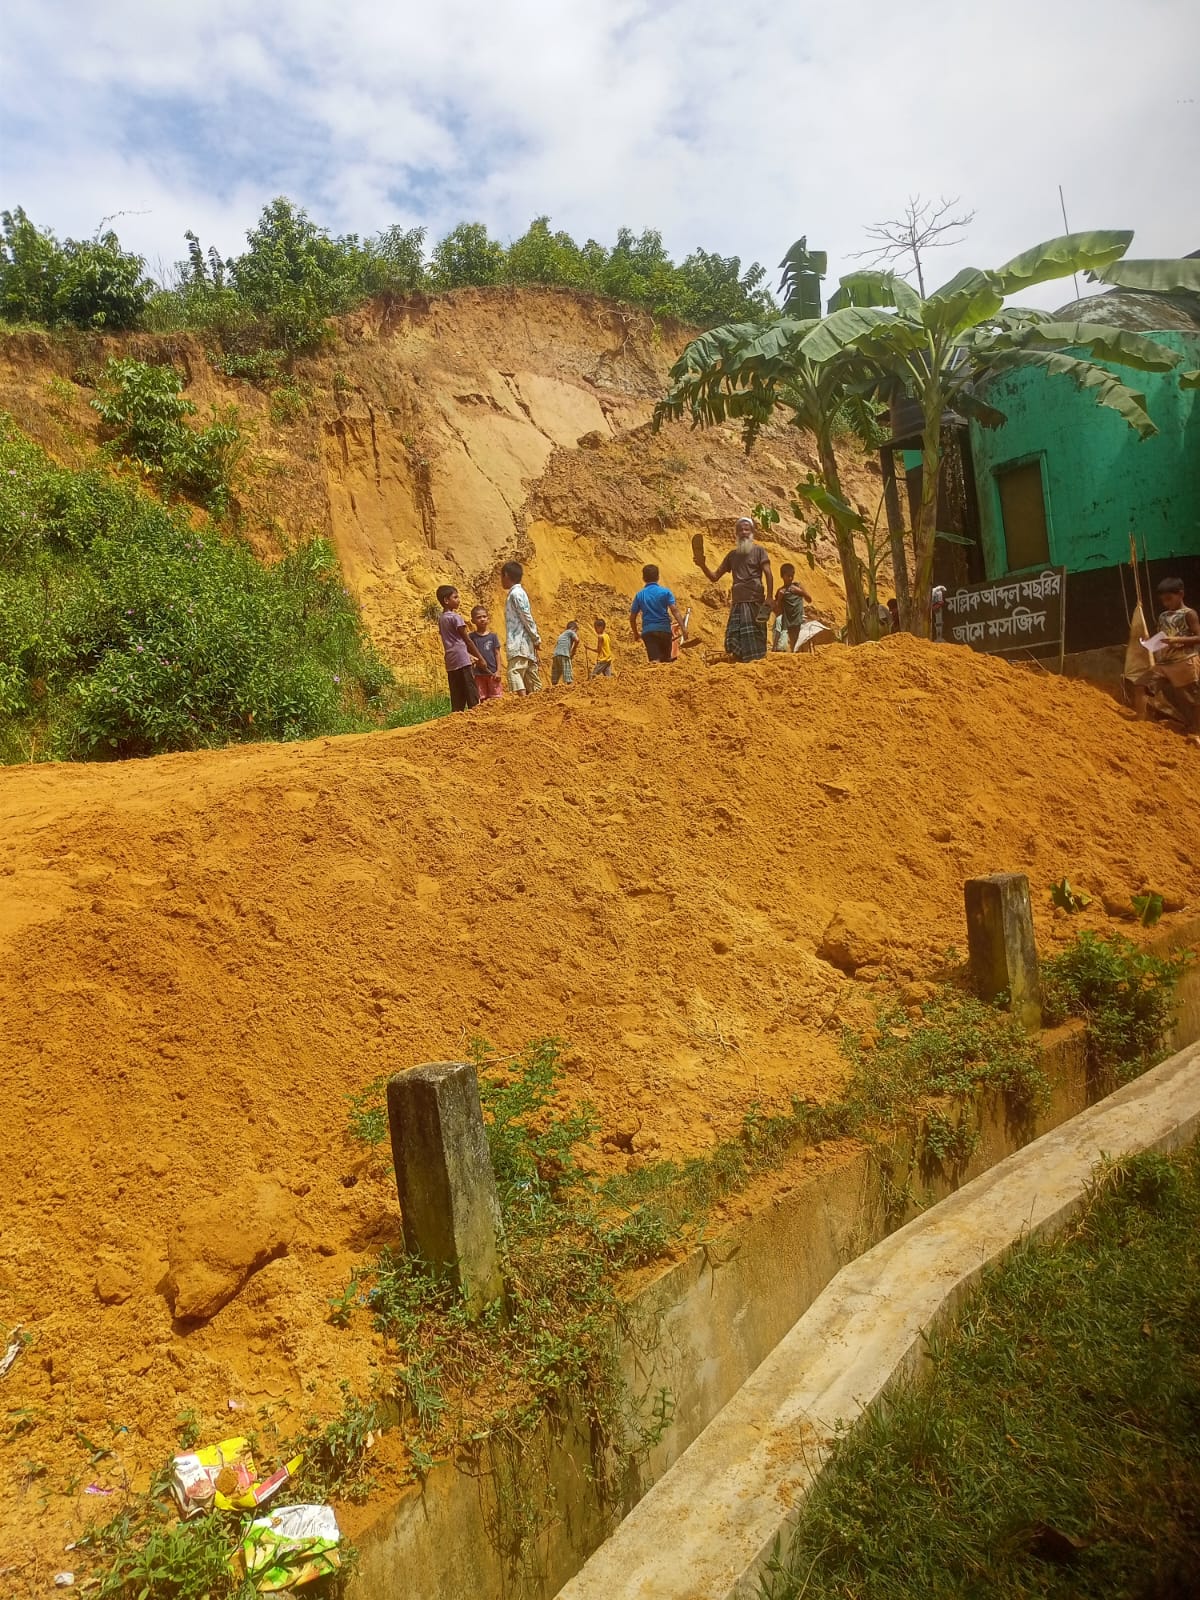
(603, 667)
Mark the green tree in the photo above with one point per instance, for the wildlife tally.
(296, 275)
(82, 283)
(639, 269)
(467, 255)
(540, 256)
(713, 289)
(394, 261)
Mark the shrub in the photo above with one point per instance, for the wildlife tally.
(1124, 994)
(143, 408)
(82, 283)
(126, 631)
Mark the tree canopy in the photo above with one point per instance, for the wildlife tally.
(278, 293)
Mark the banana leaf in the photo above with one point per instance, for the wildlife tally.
(1118, 345)
(839, 511)
(1058, 258)
(1107, 390)
(839, 331)
(800, 284)
(876, 289)
(1161, 277)
(969, 298)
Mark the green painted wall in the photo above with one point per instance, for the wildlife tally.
(1100, 479)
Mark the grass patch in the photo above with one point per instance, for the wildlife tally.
(1054, 1446)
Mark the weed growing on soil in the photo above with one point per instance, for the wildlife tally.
(1123, 993)
(334, 1456)
(1052, 1450)
(145, 1553)
(551, 1353)
(956, 1048)
(183, 1561)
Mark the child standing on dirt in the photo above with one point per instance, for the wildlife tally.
(562, 667)
(655, 606)
(789, 603)
(461, 655)
(487, 682)
(522, 641)
(1178, 662)
(603, 667)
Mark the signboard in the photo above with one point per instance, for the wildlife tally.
(1008, 614)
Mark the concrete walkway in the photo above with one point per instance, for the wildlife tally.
(704, 1531)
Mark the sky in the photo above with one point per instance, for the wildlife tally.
(735, 127)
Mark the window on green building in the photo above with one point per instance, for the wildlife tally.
(1023, 513)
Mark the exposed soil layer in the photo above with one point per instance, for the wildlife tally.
(434, 436)
(204, 953)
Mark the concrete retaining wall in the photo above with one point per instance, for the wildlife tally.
(708, 1527)
(492, 1527)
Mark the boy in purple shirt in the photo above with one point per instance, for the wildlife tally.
(462, 657)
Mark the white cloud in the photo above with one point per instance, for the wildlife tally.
(731, 127)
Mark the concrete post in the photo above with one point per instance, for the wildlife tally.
(444, 1176)
(1001, 946)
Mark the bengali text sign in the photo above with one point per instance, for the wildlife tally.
(1023, 613)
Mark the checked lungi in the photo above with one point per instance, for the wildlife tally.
(745, 635)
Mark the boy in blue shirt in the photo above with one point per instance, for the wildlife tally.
(655, 605)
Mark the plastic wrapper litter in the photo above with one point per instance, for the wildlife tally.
(292, 1546)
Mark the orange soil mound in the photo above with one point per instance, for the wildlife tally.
(203, 954)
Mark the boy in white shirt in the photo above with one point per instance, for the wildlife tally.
(522, 641)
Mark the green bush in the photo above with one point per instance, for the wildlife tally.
(1124, 994)
(126, 631)
(143, 408)
(82, 283)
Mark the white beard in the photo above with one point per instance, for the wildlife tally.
(744, 546)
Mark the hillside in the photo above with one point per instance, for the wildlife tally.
(204, 954)
(435, 435)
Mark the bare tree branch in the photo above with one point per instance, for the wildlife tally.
(925, 225)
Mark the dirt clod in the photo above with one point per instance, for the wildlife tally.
(113, 1285)
(220, 1241)
(857, 936)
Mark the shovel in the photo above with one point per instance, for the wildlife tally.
(688, 643)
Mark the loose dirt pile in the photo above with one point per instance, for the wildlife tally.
(203, 954)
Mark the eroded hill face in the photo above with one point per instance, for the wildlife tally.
(436, 436)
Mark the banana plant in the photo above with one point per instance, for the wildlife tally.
(882, 336)
(940, 348)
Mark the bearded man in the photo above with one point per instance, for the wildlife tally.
(753, 591)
